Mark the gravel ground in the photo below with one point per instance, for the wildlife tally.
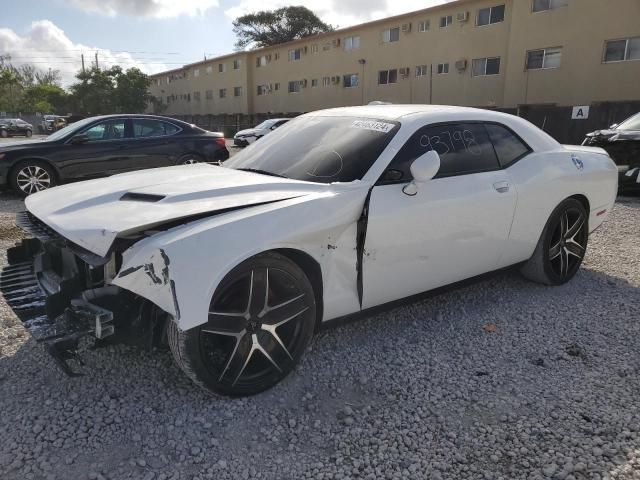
(500, 379)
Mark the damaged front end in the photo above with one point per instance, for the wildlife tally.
(63, 293)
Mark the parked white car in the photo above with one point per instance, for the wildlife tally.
(250, 135)
(334, 213)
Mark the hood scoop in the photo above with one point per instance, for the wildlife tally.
(141, 197)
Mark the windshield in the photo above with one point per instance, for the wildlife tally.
(266, 124)
(319, 149)
(632, 123)
(63, 132)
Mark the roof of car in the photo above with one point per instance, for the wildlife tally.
(136, 115)
(396, 112)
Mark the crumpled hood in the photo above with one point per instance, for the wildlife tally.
(93, 213)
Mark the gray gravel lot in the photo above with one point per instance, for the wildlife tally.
(418, 392)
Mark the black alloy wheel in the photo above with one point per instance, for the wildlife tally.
(568, 243)
(261, 318)
(562, 245)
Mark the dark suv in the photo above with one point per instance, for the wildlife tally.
(102, 146)
(10, 127)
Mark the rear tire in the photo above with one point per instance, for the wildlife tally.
(28, 133)
(561, 247)
(190, 159)
(4, 133)
(261, 319)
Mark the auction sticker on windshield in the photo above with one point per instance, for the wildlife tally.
(373, 125)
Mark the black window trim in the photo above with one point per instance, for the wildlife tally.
(98, 122)
(529, 151)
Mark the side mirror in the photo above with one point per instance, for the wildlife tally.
(614, 126)
(423, 169)
(80, 138)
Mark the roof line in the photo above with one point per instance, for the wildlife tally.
(447, 4)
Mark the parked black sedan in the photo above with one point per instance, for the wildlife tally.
(106, 145)
(10, 127)
(622, 142)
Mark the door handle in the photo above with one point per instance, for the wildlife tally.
(501, 187)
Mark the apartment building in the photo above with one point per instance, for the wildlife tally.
(485, 53)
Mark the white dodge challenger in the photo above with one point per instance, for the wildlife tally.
(334, 213)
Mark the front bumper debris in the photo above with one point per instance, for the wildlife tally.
(52, 312)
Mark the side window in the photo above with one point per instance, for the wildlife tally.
(109, 130)
(463, 148)
(146, 128)
(509, 147)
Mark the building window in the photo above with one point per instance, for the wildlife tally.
(314, 48)
(421, 70)
(326, 81)
(542, 5)
(423, 26)
(196, 96)
(326, 47)
(209, 70)
(237, 91)
(351, 43)
(276, 86)
(221, 67)
(350, 80)
(622, 50)
(314, 82)
(196, 72)
(391, 35)
(261, 61)
(208, 94)
(443, 68)
(295, 86)
(262, 89)
(223, 92)
(236, 64)
(544, 58)
(387, 76)
(295, 54)
(485, 66)
(446, 21)
(489, 16)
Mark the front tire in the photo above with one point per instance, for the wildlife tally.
(28, 133)
(32, 176)
(4, 133)
(562, 245)
(261, 319)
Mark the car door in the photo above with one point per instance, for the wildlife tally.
(153, 144)
(100, 155)
(454, 228)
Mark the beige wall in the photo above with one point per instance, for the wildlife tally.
(581, 29)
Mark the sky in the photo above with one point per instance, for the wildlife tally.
(153, 35)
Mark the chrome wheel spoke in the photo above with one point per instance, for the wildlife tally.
(255, 347)
(574, 249)
(555, 251)
(564, 262)
(258, 291)
(575, 229)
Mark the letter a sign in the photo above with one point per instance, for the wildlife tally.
(580, 113)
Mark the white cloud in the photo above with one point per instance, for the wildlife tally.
(44, 45)
(341, 13)
(144, 8)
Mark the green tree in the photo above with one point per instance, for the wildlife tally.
(100, 92)
(132, 91)
(44, 98)
(270, 27)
